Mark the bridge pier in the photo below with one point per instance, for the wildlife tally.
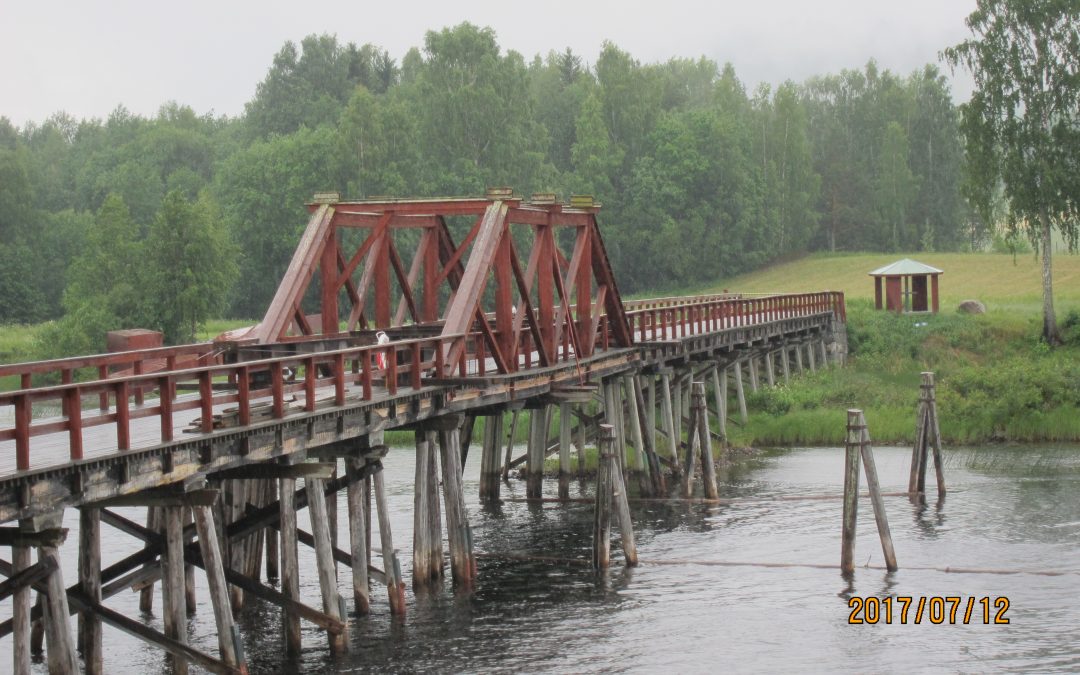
(490, 469)
(784, 361)
(427, 521)
(536, 450)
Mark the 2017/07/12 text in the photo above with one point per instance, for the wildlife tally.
(935, 609)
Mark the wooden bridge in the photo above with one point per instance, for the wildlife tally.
(415, 330)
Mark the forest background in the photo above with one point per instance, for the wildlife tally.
(168, 221)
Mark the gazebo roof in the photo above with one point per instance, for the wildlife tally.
(905, 267)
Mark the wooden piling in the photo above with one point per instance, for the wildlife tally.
(934, 432)
(770, 373)
(489, 458)
(462, 562)
(90, 582)
(633, 421)
(565, 423)
(582, 432)
(739, 393)
(427, 529)
(708, 468)
(626, 526)
(358, 525)
(174, 605)
(273, 554)
(810, 355)
(146, 595)
(719, 383)
(645, 422)
(851, 492)
(798, 357)
(754, 381)
(537, 448)
(510, 444)
(290, 566)
(668, 422)
(324, 559)
(395, 585)
(785, 363)
(215, 579)
(602, 513)
(60, 645)
(190, 599)
(20, 560)
(880, 517)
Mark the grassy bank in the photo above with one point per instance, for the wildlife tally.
(996, 379)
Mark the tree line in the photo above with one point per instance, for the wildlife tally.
(164, 221)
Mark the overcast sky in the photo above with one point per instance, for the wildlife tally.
(87, 57)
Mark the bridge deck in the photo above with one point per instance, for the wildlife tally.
(334, 404)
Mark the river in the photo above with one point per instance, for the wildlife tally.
(1008, 508)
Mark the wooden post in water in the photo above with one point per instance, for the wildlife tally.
(273, 556)
(719, 382)
(582, 433)
(462, 561)
(858, 446)
(565, 423)
(90, 580)
(633, 413)
(395, 585)
(677, 412)
(536, 451)
(215, 577)
(601, 558)
(358, 547)
(20, 560)
(510, 444)
(60, 645)
(427, 526)
(667, 421)
(146, 594)
(872, 484)
(290, 566)
(708, 467)
(739, 393)
(489, 458)
(645, 421)
(626, 525)
(172, 583)
(324, 559)
(851, 492)
(927, 435)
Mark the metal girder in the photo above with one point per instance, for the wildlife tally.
(550, 310)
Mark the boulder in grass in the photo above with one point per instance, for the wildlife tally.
(971, 307)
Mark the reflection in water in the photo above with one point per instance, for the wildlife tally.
(1007, 509)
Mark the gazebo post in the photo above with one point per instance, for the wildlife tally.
(934, 292)
(877, 292)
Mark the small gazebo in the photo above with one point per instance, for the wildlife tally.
(906, 286)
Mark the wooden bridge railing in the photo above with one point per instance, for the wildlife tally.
(399, 364)
(673, 321)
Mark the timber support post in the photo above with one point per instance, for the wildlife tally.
(427, 519)
(858, 447)
(490, 454)
(537, 450)
(927, 435)
(462, 561)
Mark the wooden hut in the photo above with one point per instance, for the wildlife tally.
(910, 286)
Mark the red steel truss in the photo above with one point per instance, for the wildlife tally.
(406, 269)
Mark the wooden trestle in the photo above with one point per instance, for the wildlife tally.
(224, 443)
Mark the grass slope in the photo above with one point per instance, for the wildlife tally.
(997, 380)
(999, 280)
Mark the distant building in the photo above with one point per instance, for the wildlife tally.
(910, 286)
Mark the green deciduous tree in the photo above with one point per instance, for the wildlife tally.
(189, 267)
(1025, 58)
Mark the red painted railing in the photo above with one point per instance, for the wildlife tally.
(404, 363)
(670, 321)
(393, 366)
